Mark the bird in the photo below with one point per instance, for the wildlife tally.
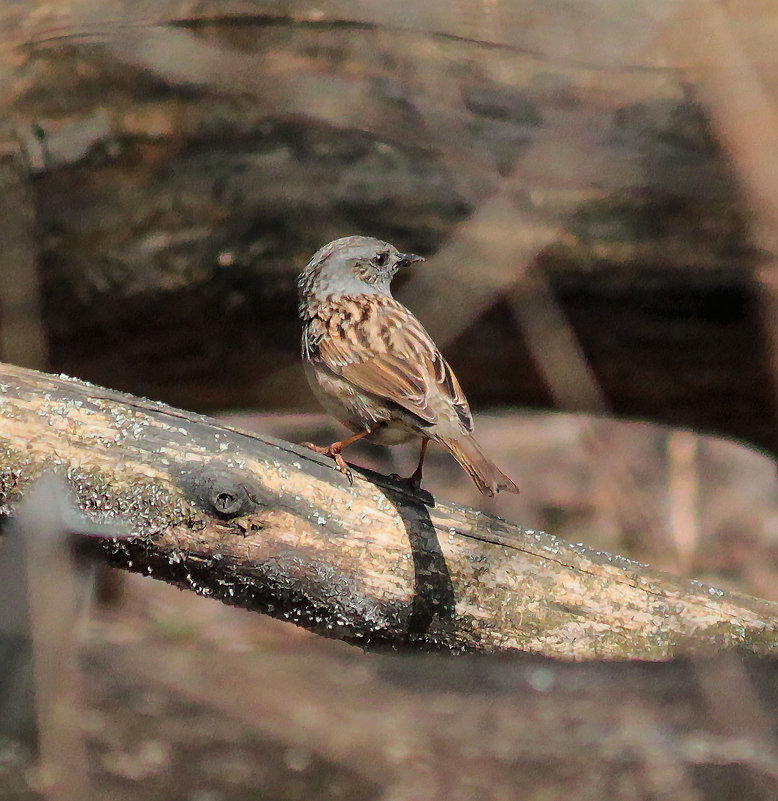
(372, 365)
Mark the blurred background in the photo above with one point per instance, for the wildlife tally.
(595, 188)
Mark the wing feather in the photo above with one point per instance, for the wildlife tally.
(381, 348)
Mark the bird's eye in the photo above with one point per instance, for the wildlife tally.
(380, 259)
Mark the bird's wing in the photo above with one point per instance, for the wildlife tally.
(379, 346)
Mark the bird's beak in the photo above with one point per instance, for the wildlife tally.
(407, 259)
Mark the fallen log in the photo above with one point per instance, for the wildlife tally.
(272, 527)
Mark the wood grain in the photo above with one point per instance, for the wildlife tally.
(269, 526)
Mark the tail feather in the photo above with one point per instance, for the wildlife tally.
(487, 476)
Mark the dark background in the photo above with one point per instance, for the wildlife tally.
(594, 187)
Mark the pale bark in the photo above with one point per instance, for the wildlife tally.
(270, 526)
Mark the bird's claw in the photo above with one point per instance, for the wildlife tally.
(340, 462)
(413, 483)
(317, 448)
(343, 467)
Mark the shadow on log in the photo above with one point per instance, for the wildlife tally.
(269, 526)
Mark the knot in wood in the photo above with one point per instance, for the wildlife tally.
(225, 501)
(223, 492)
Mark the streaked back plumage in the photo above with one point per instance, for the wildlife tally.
(372, 364)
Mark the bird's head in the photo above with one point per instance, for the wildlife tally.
(354, 265)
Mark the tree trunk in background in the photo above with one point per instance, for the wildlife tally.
(183, 166)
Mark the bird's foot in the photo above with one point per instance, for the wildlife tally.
(334, 453)
(411, 483)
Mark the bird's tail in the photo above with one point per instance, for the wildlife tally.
(486, 475)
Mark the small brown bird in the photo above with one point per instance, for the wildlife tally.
(372, 365)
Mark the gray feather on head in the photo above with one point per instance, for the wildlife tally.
(352, 265)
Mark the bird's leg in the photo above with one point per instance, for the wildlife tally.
(333, 451)
(414, 479)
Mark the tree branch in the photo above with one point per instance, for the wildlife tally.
(272, 527)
